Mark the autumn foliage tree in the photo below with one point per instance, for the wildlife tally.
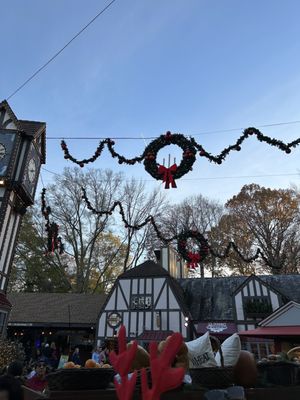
(268, 219)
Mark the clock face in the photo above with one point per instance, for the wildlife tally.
(2, 151)
(31, 171)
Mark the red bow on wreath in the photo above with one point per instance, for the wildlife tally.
(168, 175)
(194, 260)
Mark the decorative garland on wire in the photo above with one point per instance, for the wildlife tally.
(192, 258)
(54, 241)
(189, 147)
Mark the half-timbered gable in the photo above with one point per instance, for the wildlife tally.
(253, 301)
(287, 315)
(146, 299)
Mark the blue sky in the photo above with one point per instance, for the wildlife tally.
(148, 66)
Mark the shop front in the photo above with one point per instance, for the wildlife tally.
(66, 319)
(281, 329)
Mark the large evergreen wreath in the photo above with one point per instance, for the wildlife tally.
(169, 174)
(192, 258)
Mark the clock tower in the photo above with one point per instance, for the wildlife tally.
(22, 151)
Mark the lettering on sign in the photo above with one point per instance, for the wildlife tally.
(141, 302)
(216, 326)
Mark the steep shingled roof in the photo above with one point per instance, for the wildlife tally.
(31, 128)
(211, 298)
(145, 270)
(53, 308)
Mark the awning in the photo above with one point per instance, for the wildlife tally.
(217, 328)
(155, 336)
(273, 331)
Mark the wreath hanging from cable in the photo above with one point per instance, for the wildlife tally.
(193, 258)
(172, 172)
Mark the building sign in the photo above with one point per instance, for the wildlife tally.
(216, 327)
(223, 328)
(20, 324)
(141, 302)
(114, 319)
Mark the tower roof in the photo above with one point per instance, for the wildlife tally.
(33, 129)
(146, 269)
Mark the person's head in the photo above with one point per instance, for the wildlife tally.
(10, 388)
(15, 368)
(76, 351)
(53, 345)
(41, 369)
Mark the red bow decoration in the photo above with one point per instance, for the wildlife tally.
(168, 175)
(194, 260)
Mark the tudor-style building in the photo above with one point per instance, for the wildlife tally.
(22, 151)
(226, 305)
(148, 301)
(282, 328)
(253, 301)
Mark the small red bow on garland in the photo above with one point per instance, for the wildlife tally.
(168, 175)
(194, 260)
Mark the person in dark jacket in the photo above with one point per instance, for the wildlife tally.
(10, 388)
(76, 357)
(15, 369)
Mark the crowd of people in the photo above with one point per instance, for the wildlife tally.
(33, 372)
(16, 375)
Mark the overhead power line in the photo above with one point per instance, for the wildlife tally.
(60, 51)
(155, 137)
(208, 178)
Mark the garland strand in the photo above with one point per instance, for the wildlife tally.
(218, 159)
(54, 241)
(150, 219)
